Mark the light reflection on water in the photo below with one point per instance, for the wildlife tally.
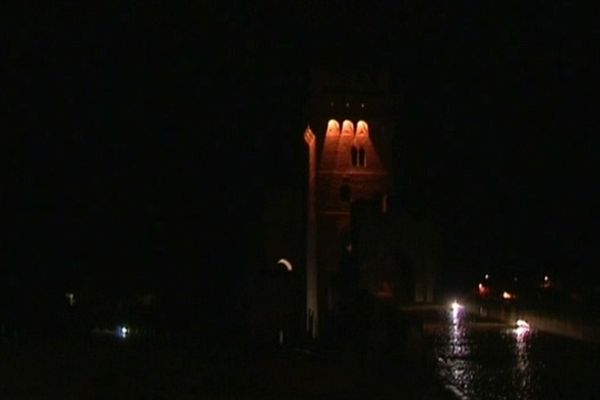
(523, 369)
(486, 363)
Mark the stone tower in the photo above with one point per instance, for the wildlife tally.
(349, 140)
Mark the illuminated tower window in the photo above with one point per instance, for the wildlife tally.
(354, 157)
(362, 158)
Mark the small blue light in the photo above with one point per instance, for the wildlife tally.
(122, 331)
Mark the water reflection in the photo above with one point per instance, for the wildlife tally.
(523, 371)
(458, 343)
(455, 355)
(486, 361)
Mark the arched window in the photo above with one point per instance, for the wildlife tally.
(362, 158)
(362, 129)
(354, 156)
(333, 127)
(347, 128)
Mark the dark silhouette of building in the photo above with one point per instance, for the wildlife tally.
(345, 165)
(356, 238)
(352, 239)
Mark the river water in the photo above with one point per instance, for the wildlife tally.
(482, 360)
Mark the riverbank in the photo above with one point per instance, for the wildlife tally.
(578, 327)
(192, 367)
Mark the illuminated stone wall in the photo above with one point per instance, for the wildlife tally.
(339, 167)
(312, 273)
(341, 181)
(349, 115)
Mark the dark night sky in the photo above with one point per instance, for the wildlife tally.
(147, 134)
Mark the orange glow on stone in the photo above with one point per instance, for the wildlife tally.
(362, 129)
(333, 128)
(347, 128)
(309, 137)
